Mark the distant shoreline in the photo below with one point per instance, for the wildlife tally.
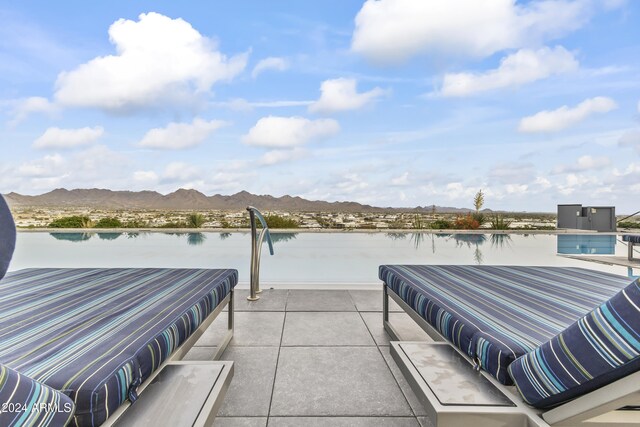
(307, 230)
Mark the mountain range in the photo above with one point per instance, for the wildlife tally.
(184, 199)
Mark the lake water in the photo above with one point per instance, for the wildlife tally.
(309, 258)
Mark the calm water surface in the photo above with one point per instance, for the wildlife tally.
(301, 258)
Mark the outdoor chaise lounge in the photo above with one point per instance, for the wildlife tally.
(90, 342)
(631, 239)
(568, 338)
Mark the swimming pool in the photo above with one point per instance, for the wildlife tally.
(341, 258)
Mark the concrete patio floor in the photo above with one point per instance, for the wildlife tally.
(315, 358)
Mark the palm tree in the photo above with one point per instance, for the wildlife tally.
(195, 220)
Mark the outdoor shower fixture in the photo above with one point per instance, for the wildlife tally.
(256, 246)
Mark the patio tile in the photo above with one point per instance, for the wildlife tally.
(403, 324)
(371, 300)
(426, 422)
(240, 422)
(270, 300)
(250, 391)
(338, 381)
(319, 300)
(325, 329)
(257, 329)
(343, 422)
(411, 397)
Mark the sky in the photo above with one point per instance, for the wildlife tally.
(389, 102)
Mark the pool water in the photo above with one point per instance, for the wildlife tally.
(308, 258)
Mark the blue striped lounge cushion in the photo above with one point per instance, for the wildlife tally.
(96, 334)
(7, 237)
(496, 314)
(633, 238)
(27, 402)
(596, 350)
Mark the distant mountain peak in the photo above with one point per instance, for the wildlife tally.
(191, 199)
(186, 191)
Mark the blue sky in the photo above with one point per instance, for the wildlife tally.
(387, 102)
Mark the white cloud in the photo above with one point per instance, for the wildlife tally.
(607, 70)
(584, 163)
(68, 138)
(401, 180)
(341, 95)
(99, 165)
(564, 117)
(145, 178)
(280, 156)
(516, 189)
(512, 172)
(524, 66)
(96, 166)
(41, 168)
(178, 136)
(574, 183)
(180, 172)
(27, 106)
(158, 59)
(631, 169)
(280, 104)
(351, 183)
(238, 104)
(631, 139)
(271, 63)
(287, 132)
(542, 182)
(186, 175)
(391, 31)
(241, 104)
(456, 190)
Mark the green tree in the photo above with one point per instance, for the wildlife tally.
(629, 224)
(195, 220)
(441, 224)
(109, 222)
(75, 221)
(173, 224)
(136, 223)
(324, 223)
(277, 221)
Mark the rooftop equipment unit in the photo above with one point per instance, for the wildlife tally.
(594, 218)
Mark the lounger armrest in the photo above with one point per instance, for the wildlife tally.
(25, 401)
(183, 394)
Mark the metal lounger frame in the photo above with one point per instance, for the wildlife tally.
(595, 409)
(181, 351)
